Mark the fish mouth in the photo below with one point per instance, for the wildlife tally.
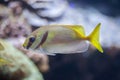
(26, 47)
(23, 45)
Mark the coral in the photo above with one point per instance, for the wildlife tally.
(11, 24)
(41, 60)
(20, 67)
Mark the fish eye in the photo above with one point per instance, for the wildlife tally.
(32, 39)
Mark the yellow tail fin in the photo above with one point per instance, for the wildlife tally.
(94, 38)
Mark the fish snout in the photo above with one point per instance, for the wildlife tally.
(24, 46)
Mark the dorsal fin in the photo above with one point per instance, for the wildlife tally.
(78, 29)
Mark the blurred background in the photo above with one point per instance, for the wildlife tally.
(18, 18)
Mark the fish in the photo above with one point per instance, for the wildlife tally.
(62, 39)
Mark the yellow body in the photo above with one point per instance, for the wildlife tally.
(62, 39)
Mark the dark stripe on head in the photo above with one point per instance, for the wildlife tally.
(44, 38)
(28, 46)
(31, 40)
